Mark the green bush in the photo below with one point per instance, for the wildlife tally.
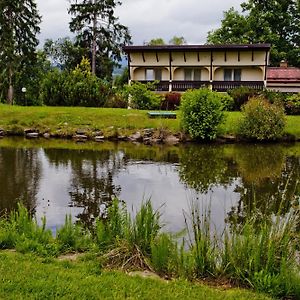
(227, 101)
(262, 120)
(76, 88)
(142, 97)
(292, 104)
(241, 95)
(202, 113)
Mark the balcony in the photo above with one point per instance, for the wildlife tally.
(224, 86)
(219, 86)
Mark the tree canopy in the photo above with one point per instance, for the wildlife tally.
(19, 25)
(98, 29)
(273, 21)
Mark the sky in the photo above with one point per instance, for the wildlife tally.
(146, 19)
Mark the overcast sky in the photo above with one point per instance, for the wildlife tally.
(147, 19)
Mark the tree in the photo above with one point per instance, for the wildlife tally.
(64, 53)
(19, 25)
(177, 40)
(273, 21)
(156, 42)
(98, 29)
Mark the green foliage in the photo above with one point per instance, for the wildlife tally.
(263, 253)
(19, 26)
(99, 32)
(275, 22)
(164, 255)
(177, 40)
(76, 88)
(227, 101)
(156, 42)
(142, 97)
(241, 95)
(262, 120)
(73, 237)
(202, 113)
(22, 232)
(292, 104)
(122, 79)
(64, 53)
(202, 243)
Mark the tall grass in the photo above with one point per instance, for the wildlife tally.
(259, 254)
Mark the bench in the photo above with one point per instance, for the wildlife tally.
(161, 114)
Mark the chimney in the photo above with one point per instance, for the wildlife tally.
(283, 64)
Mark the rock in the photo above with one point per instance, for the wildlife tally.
(99, 138)
(2, 132)
(137, 137)
(172, 140)
(30, 130)
(156, 141)
(32, 135)
(81, 132)
(80, 137)
(148, 132)
(147, 141)
(97, 133)
(46, 135)
(122, 138)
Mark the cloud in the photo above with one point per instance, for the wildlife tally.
(147, 19)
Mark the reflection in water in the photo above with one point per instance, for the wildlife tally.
(19, 178)
(234, 180)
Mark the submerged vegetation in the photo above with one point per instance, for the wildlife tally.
(258, 254)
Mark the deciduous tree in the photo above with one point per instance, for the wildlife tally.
(273, 21)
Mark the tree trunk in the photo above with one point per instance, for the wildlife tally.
(10, 93)
(94, 44)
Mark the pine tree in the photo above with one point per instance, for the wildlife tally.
(19, 25)
(98, 29)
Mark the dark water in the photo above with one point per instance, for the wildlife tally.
(55, 178)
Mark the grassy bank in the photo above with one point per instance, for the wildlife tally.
(64, 121)
(259, 254)
(30, 277)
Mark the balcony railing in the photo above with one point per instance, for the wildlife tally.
(181, 86)
(223, 86)
(219, 86)
(160, 86)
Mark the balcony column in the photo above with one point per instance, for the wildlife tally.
(170, 72)
(210, 86)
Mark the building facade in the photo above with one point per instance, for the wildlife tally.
(219, 67)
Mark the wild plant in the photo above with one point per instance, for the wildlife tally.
(202, 242)
(73, 237)
(21, 229)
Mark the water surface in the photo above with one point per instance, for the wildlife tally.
(55, 178)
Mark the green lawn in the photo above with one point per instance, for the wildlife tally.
(111, 121)
(25, 276)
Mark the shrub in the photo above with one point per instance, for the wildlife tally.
(201, 113)
(117, 100)
(241, 95)
(142, 97)
(227, 101)
(292, 104)
(76, 88)
(171, 101)
(262, 120)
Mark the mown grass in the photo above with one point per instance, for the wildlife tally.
(261, 255)
(30, 277)
(64, 121)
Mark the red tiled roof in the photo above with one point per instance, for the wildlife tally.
(283, 74)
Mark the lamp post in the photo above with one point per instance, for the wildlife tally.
(24, 95)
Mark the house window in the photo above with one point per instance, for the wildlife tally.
(232, 75)
(192, 74)
(153, 74)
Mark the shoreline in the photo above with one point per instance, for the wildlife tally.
(147, 136)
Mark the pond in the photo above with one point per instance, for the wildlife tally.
(54, 178)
